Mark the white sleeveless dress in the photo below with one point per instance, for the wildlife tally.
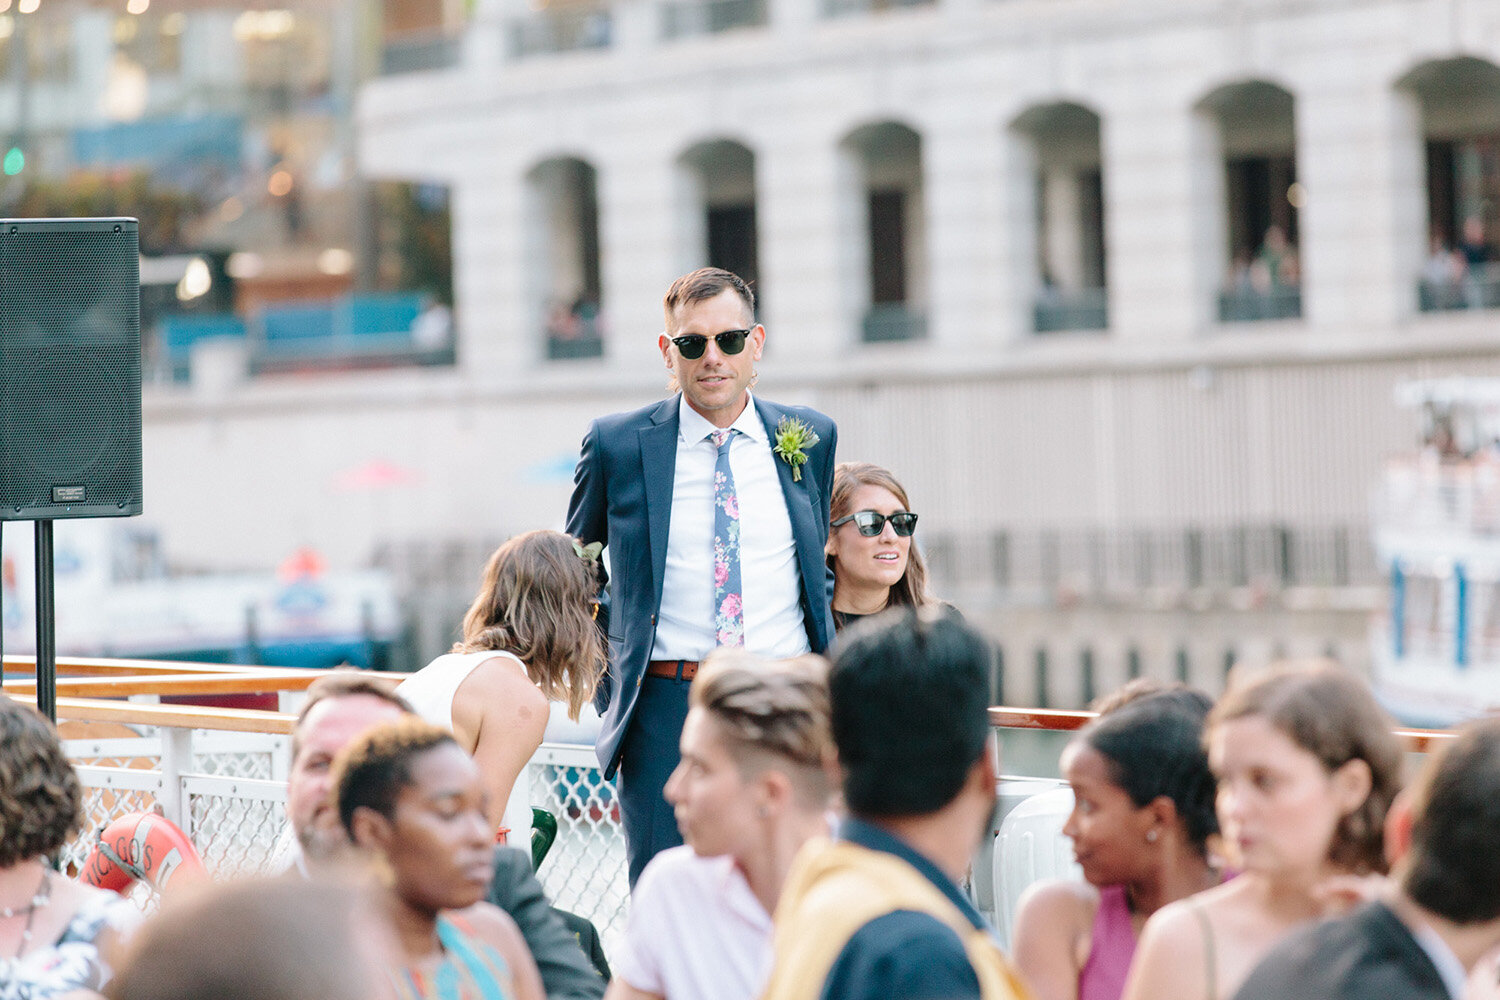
(430, 691)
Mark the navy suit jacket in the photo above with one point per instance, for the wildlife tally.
(622, 496)
(1367, 954)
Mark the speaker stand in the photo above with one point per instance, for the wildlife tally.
(46, 625)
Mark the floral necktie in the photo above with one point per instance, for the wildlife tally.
(729, 616)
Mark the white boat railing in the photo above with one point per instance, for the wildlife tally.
(220, 775)
(227, 792)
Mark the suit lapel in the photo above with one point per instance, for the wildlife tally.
(799, 505)
(658, 468)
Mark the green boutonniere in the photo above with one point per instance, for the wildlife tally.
(793, 438)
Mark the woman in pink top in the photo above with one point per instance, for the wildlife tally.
(1143, 810)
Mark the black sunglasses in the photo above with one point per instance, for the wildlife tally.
(871, 523)
(692, 345)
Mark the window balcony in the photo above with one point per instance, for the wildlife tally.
(893, 321)
(579, 336)
(689, 18)
(1057, 309)
(1253, 305)
(1477, 289)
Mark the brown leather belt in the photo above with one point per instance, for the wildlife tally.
(684, 669)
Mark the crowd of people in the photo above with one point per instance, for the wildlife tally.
(806, 769)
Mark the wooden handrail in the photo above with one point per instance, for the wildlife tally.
(1064, 720)
(239, 720)
(133, 684)
(1007, 717)
(100, 666)
(84, 676)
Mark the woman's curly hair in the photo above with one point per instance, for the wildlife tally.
(41, 802)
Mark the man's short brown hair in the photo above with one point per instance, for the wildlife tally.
(345, 684)
(701, 285)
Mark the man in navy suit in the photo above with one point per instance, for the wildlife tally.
(713, 506)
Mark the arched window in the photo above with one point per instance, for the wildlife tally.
(562, 255)
(717, 209)
(1068, 186)
(1460, 108)
(884, 221)
(1254, 125)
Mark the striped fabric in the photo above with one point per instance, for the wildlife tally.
(470, 969)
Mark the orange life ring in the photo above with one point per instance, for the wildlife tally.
(141, 846)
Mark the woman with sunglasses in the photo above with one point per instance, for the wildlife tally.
(869, 545)
(528, 639)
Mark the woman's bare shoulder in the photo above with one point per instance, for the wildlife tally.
(1058, 900)
(1173, 924)
(489, 922)
(1183, 919)
(503, 678)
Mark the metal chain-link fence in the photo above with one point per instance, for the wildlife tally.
(585, 872)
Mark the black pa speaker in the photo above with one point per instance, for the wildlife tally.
(70, 369)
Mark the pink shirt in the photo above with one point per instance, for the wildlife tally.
(696, 931)
(1111, 948)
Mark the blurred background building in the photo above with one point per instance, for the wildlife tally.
(1122, 292)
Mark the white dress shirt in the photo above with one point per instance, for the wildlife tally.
(770, 582)
(1450, 969)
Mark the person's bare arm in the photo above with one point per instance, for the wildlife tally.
(1051, 938)
(499, 716)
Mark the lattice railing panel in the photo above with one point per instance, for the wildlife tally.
(235, 818)
(585, 872)
(234, 765)
(234, 835)
(101, 806)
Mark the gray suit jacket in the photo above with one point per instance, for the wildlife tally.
(567, 973)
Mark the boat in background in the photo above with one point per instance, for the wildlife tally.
(114, 596)
(1436, 520)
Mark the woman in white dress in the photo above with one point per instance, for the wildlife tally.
(529, 639)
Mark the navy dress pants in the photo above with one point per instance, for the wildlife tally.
(649, 757)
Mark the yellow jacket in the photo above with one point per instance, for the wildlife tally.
(834, 889)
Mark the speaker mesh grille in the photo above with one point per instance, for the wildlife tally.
(70, 367)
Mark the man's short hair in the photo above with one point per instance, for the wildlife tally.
(345, 684)
(701, 285)
(909, 694)
(1453, 865)
(771, 714)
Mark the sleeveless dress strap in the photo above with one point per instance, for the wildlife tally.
(1210, 959)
